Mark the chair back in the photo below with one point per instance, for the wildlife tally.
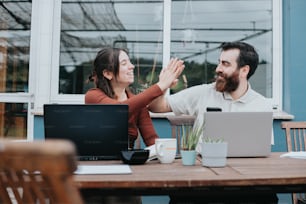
(295, 135)
(177, 123)
(38, 172)
(296, 141)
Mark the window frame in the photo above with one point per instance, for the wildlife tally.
(55, 97)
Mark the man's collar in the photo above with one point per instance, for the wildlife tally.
(243, 99)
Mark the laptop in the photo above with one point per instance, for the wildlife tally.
(99, 132)
(248, 134)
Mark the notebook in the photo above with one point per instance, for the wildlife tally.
(99, 132)
(103, 169)
(248, 133)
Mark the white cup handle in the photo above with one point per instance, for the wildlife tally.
(159, 149)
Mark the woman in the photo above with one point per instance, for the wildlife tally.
(113, 73)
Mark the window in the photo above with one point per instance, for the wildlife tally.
(155, 30)
(14, 68)
(199, 27)
(86, 26)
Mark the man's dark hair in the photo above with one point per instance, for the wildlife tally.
(247, 56)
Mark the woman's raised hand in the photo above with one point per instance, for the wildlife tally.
(168, 75)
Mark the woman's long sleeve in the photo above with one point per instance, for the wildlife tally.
(141, 100)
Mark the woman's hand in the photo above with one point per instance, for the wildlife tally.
(168, 75)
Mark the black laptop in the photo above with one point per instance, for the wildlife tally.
(99, 132)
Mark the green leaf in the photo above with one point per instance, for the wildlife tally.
(190, 136)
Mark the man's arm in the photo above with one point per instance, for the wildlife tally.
(160, 105)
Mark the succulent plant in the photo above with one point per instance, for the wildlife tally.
(212, 140)
(190, 137)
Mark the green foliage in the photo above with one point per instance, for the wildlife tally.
(190, 137)
(147, 72)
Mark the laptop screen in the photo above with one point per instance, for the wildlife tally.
(248, 134)
(99, 131)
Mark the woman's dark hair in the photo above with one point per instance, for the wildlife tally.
(247, 56)
(107, 59)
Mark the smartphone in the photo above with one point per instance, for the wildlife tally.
(213, 109)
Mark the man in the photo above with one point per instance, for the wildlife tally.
(231, 92)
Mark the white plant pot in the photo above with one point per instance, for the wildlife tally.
(214, 154)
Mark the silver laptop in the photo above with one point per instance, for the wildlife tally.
(248, 133)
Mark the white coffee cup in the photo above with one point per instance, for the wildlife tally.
(165, 149)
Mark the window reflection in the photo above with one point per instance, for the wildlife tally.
(15, 25)
(86, 26)
(199, 27)
(13, 120)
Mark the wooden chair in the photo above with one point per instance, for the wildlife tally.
(296, 141)
(177, 122)
(38, 172)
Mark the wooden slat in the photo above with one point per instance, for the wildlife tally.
(3, 71)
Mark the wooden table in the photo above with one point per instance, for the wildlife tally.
(272, 174)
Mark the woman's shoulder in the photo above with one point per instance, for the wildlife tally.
(93, 94)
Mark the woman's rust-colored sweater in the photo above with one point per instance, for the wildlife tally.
(139, 117)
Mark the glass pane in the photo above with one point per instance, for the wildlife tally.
(86, 26)
(199, 27)
(15, 25)
(13, 120)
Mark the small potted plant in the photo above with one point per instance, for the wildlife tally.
(189, 141)
(214, 152)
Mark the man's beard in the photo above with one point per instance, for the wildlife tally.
(227, 83)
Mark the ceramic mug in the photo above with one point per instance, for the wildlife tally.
(165, 149)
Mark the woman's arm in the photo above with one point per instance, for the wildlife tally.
(160, 105)
(167, 77)
(96, 96)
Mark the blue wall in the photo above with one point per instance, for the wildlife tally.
(294, 56)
